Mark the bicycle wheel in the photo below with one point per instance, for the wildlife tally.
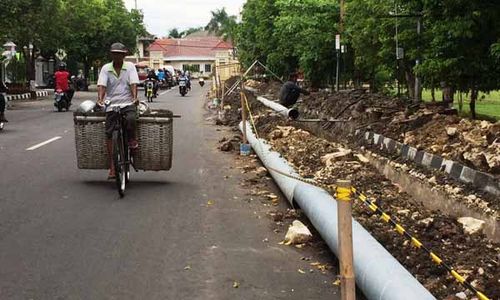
(119, 162)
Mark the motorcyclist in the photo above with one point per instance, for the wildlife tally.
(161, 75)
(187, 75)
(62, 78)
(152, 76)
(3, 89)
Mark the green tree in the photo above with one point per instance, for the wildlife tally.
(254, 35)
(174, 33)
(222, 24)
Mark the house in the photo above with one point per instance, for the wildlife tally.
(196, 53)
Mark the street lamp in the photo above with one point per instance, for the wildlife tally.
(8, 53)
(9, 49)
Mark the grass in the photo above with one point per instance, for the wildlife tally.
(487, 104)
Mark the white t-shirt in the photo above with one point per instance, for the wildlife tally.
(118, 90)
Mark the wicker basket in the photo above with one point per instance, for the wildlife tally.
(154, 134)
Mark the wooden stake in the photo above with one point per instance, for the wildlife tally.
(243, 115)
(222, 98)
(344, 213)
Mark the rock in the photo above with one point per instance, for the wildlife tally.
(297, 233)
(426, 221)
(226, 146)
(485, 124)
(451, 131)
(361, 158)
(276, 134)
(403, 212)
(286, 130)
(261, 172)
(480, 271)
(471, 225)
(432, 180)
(461, 295)
(330, 158)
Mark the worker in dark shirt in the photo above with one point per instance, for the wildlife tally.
(290, 91)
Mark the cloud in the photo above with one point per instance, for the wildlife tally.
(162, 15)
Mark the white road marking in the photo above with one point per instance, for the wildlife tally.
(43, 143)
(163, 93)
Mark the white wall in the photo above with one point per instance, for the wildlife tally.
(178, 65)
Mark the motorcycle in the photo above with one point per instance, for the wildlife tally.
(61, 100)
(183, 87)
(149, 90)
(201, 81)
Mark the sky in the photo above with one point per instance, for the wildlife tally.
(162, 15)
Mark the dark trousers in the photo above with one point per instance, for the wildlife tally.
(112, 119)
(2, 103)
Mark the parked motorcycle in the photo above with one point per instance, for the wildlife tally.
(61, 100)
(201, 81)
(183, 86)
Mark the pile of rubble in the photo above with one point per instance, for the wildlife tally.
(466, 249)
(473, 143)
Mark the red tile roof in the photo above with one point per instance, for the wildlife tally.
(190, 47)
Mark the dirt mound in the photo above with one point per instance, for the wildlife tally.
(474, 143)
(471, 255)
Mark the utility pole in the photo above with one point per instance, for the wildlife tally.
(338, 46)
(418, 89)
(135, 4)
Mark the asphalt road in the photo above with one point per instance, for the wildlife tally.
(65, 234)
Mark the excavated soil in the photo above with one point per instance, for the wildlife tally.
(426, 127)
(473, 256)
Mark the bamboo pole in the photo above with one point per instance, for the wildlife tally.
(344, 213)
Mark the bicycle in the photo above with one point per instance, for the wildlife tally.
(122, 158)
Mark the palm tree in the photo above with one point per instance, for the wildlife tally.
(222, 24)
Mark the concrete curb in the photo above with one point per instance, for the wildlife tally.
(26, 96)
(481, 180)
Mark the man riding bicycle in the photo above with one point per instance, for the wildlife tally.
(117, 84)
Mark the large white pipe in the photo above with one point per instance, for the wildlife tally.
(378, 274)
(291, 113)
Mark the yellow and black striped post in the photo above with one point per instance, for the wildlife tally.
(344, 215)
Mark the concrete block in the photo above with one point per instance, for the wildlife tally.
(405, 151)
(456, 170)
(370, 135)
(427, 159)
(399, 148)
(493, 187)
(391, 146)
(447, 165)
(377, 138)
(419, 157)
(482, 180)
(467, 175)
(436, 162)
